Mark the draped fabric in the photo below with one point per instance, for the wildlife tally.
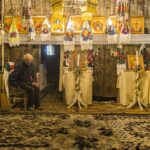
(85, 85)
(126, 85)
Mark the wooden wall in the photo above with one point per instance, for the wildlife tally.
(43, 7)
(15, 54)
(39, 7)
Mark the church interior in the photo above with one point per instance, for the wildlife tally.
(91, 64)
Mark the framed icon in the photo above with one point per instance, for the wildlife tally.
(132, 62)
(18, 20)
(38, 22)
(98, 25)
(78, 23)
(117, 23)
(58, 24)
(137, 25)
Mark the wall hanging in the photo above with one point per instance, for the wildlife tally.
(13, 35)
(69, 37)
(46, 30)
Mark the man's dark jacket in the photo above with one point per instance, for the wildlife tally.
(22, 74)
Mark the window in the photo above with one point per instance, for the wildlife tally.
(50, 50)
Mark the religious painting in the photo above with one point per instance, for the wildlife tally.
(58, 24)
(78, 23)
(98, 25)
(125, 29)
(132, 62)
(18, 20)
(38, 22)
(117, 23)
(137, 25)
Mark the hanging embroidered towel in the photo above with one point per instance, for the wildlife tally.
(46, 30)
(31, 30)
(122, 8)
(125, 34)
(86, 37)
(111, 32)
(13, 35)
(69, 38)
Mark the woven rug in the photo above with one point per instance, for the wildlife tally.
(75, 132)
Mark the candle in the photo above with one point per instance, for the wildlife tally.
(78, 60)
(137, 58)
(67, 64)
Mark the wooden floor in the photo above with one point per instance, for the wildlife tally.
(55, 103)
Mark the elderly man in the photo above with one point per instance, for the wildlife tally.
(24, 76)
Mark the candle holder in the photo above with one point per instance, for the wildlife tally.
(137, 99)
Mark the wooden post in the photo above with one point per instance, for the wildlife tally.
(4, 102)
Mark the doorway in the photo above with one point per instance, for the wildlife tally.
(50, 59)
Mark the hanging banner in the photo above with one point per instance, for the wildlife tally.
(91, 6)
(45, 30)
(69, 38)
(125, 34)
(31, 30)
(57, 7)
(111, 32)
(86, 37)
(113, 7)
(8, 22)
(38, 23)
(58, 24)
(87, 16)
(13, 35)
(122, 8)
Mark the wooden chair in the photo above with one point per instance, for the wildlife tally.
(14, 93)
(18, 94)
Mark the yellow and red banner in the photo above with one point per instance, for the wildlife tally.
(57, 7)
(91, 6)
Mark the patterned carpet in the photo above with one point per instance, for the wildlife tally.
(101, 126)
(74, 132)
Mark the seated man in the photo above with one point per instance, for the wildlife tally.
(24, 76)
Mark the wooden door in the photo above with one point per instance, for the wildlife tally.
(98, 89)
(105, 77)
